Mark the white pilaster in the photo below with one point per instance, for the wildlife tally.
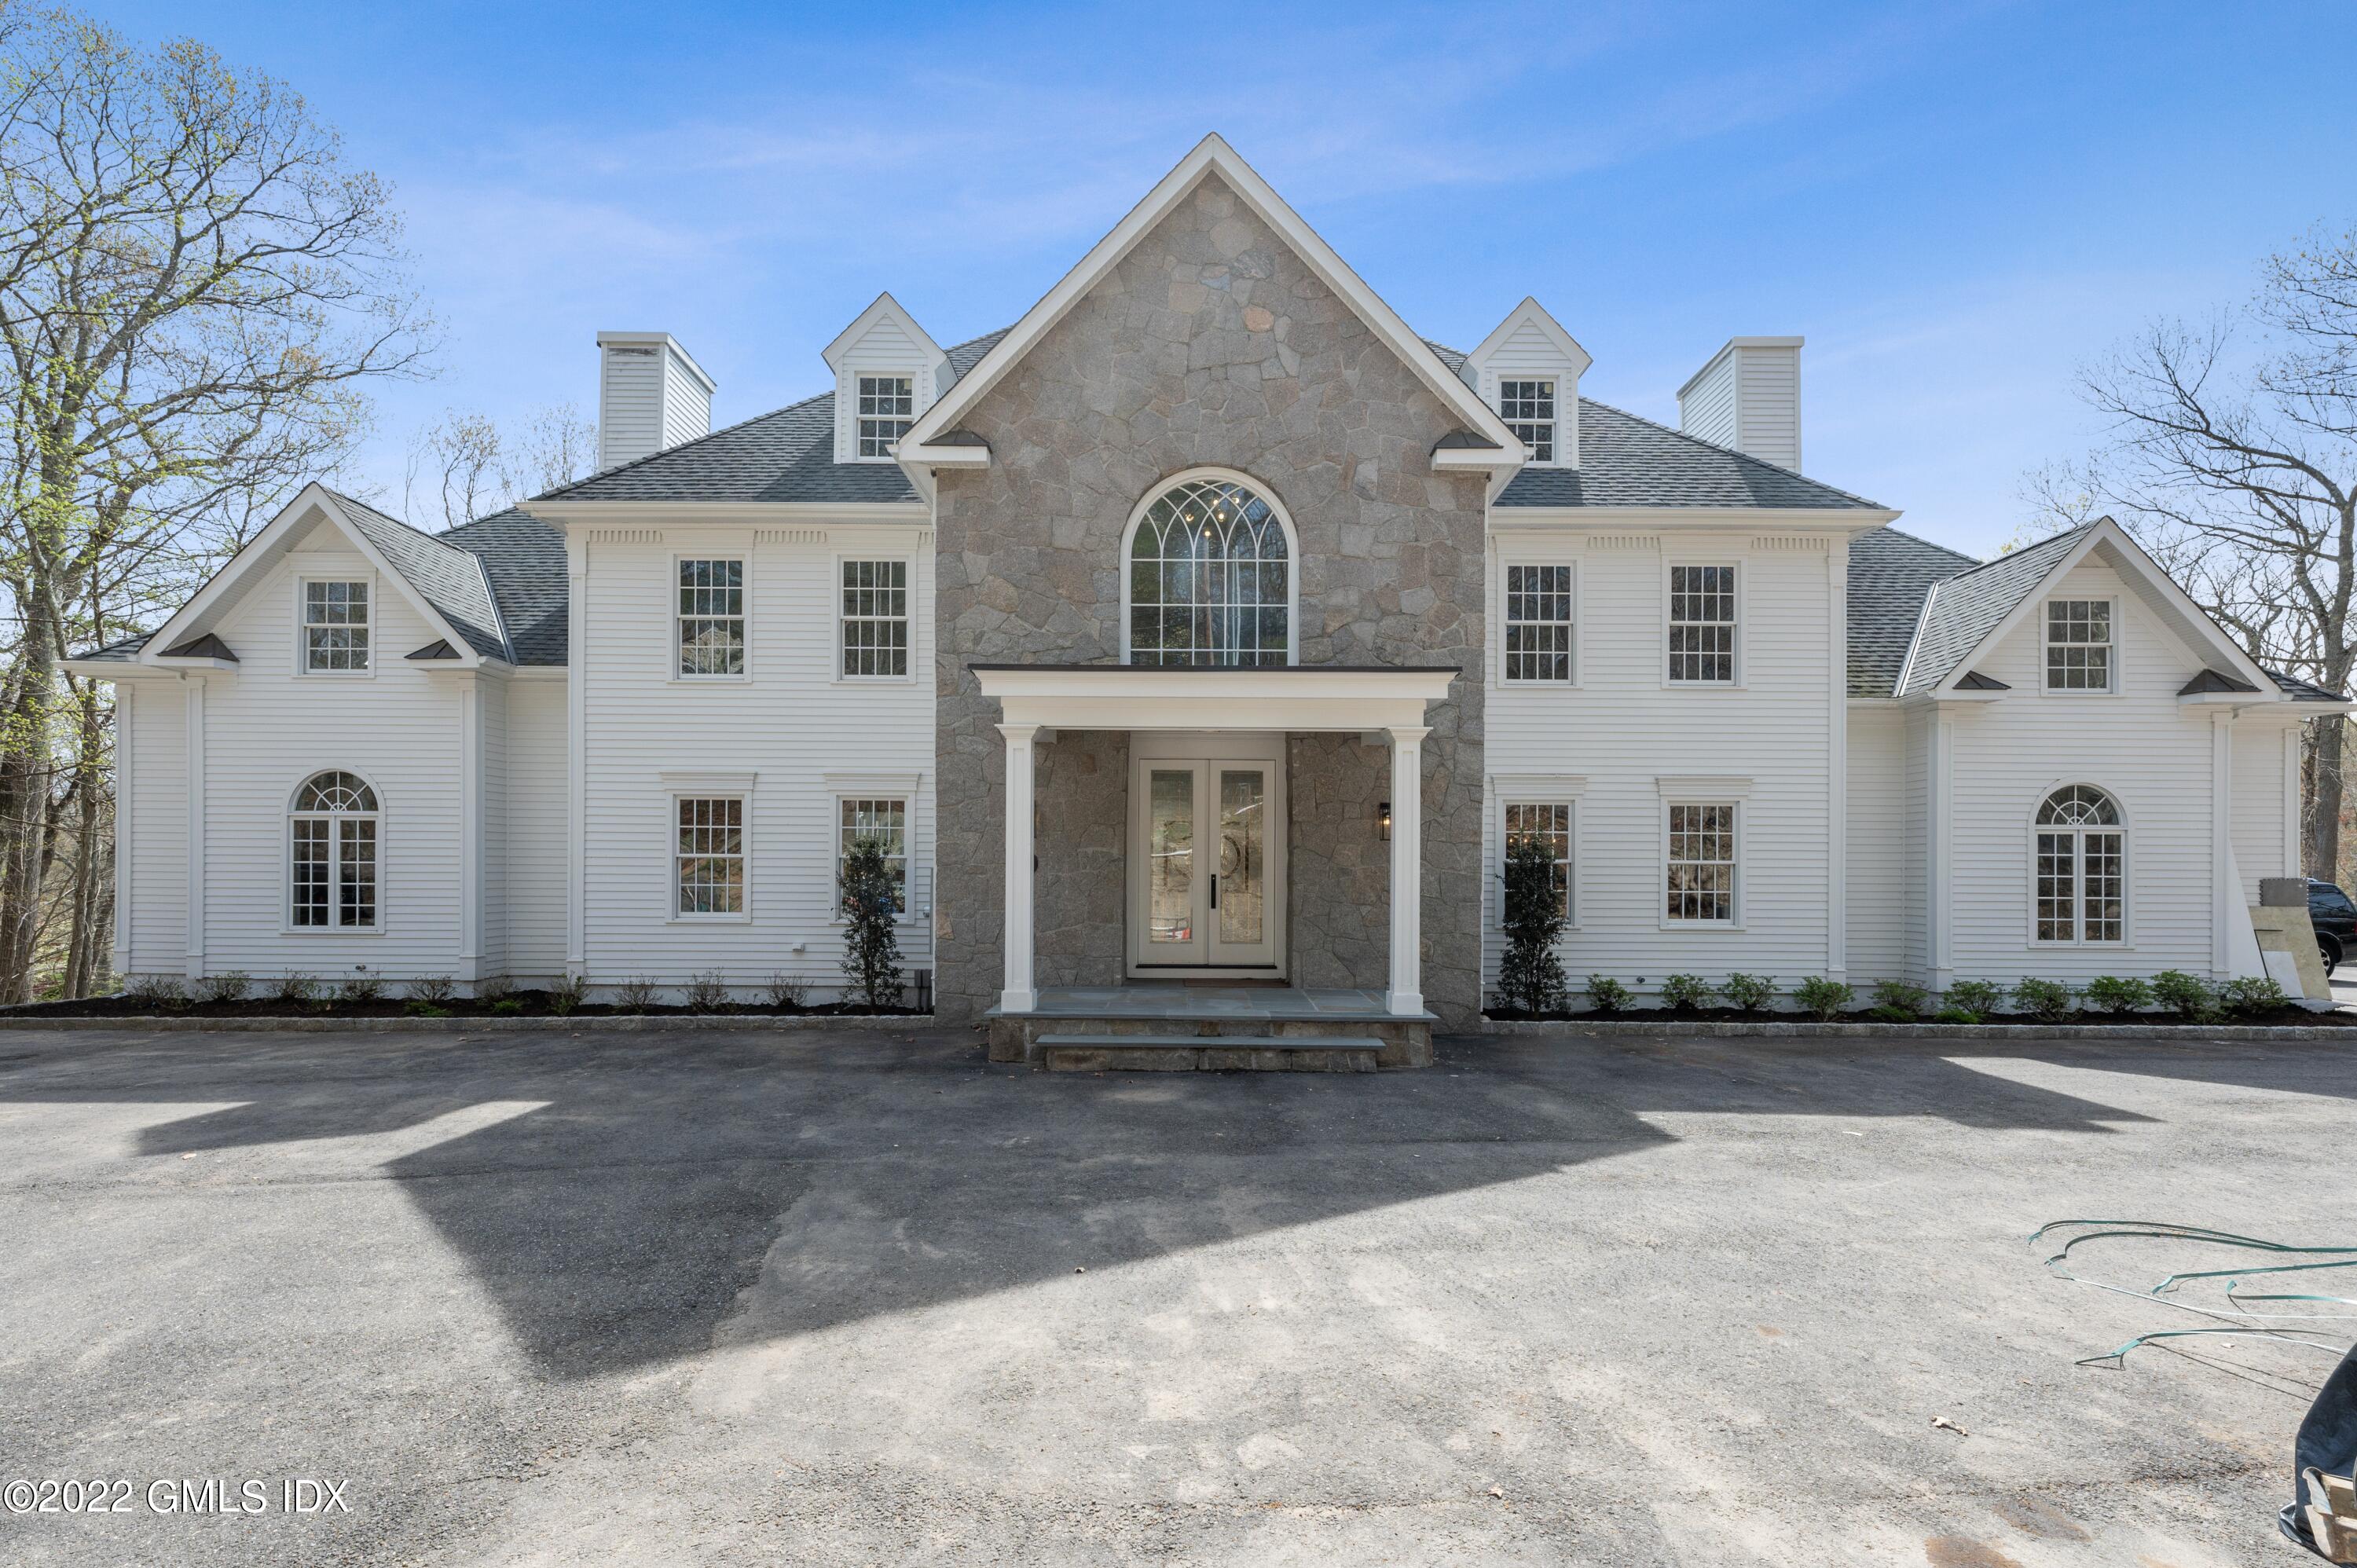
(125, 795)
(470, 827)
(2224, 896)
(1939, 828)
(577, 756)
(1838, 769)
(195, 919)
(1018, 996)
(1408, 869)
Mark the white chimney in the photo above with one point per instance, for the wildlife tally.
(650, 395)
(1749, 397)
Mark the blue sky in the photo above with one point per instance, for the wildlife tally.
(1956, 204)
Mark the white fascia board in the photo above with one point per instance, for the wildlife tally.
(1780, 520)
(650, 514)
(959, 457)
(1531, 311)
(265, 544)
(2128, 557)
(884, 307)
(1132, 697)
(113, 670)
(1211, 155)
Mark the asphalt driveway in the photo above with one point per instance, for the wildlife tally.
(672, 1298)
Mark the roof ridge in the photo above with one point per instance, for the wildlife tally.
(711, 434)
(1587, 402)
(373, 510)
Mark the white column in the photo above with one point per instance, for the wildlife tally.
(470, 827)
(1018, 995)
(196, 907)
(127, 793)
(577, 755)
(1408, 869)
(2225, 894)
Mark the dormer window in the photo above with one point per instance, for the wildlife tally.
(887, 406)
(1528, 408)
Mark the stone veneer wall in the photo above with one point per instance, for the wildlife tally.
(1212, 344)
(1080, 830)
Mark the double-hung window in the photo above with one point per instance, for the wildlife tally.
(711, 617)
(887, 406)
(876, 618)
(1538, 624)
(1528, 409)
(335, 627)
(708, 857)
(1700, 873)
(1702, 624)
(2078, 645)
(884, 818)
(1546, 822)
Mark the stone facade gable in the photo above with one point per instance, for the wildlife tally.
(1211, 343)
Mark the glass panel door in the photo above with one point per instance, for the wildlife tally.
(1174, 927)
(1242, 891)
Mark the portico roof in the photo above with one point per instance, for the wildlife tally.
(1214, 696)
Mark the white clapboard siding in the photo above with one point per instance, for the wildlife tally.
(1528, 352)
(159, 847)
(2151, 754)
(797, 729)
(539, 835)
(1770, 405)
(492, 876)
(268, 729)
(1882, 889)
(885, 349)
(2267, 760)
(1621, 729)
(649, 398)
(1707, 408)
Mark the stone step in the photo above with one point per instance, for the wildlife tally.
(1207, 1053)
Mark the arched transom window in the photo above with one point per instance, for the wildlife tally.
(332, 870)
(1211, 578)
(2082, 867)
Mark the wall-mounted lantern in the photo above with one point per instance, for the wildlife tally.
(1383, 817)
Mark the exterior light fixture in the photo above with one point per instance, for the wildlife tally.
(1383, 817)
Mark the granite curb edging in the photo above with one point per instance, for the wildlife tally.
(740, 1024)
(2189, 1033)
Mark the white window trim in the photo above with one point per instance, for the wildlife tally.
(1168, 482)
(1554, 424)
(915, 379)
(303, 641)
(835, 608)
(2031, 941)
(286, 926)
(1506, 564)
(1702, 790)
(903, 790)
(678, 677)
(1534, 789)
(1741, 567)
(2045, 641)
(681, 789)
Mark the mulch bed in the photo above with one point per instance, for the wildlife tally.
(2271, 1016)
(528, 1005)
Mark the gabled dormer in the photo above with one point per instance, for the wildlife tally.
(1528, 371)
(888, 372)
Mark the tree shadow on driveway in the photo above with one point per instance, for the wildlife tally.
(616, 1224)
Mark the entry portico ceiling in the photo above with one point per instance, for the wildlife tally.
(1292, 697)
(924, 448)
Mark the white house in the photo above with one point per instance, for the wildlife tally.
(1208, 623)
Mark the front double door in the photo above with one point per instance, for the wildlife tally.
(1207, 859)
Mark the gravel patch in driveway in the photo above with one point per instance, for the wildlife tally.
(860, 1297)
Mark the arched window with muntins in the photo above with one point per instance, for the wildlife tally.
(2081, 867)
(1211, 578)
(332, 859)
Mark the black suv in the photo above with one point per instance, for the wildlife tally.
(2335, 919)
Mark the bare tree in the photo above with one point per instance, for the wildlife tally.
(558, 447)
(464, 465)
(195, 290)
(2231, 454)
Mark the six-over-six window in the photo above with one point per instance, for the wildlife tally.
(875, 618)
(1528, 409)
(708, 857)
(1538, 623)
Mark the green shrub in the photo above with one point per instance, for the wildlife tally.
(2048, 1001)
(1978, 997)
(230, 987)
(1530, 975)
(566, 994)
(418, 1007)
(1955, 1016)
(1606, 994)
(507, 1006)
(436, 990)
(2253, 994)
(1900, 998)
(2118, 995)
(361, 988)
(2187, 995)
(1752, 992)
(1689, 992)
(294, 986)
(1824, 999)
(870, 901)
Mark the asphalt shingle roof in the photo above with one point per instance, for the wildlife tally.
(524, 559)
(1891, 573)
(1965, 607)
(451, 579)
